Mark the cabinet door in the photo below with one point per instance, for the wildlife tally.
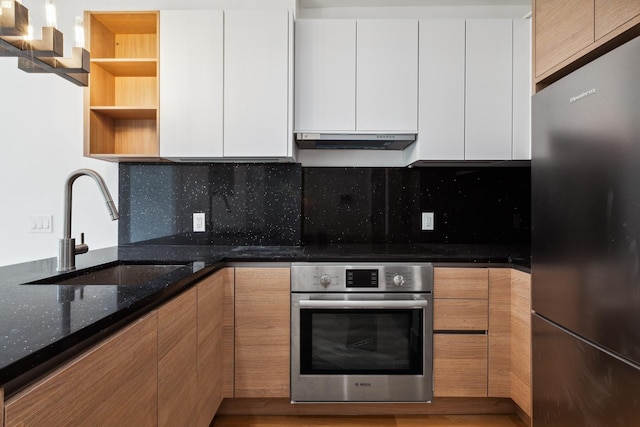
(256, 83)
(499, 365)
(325, 76)
(387, 75)
(210, 354)
(228, 337)
(521, 89)
(262, 332)
(441, 115)
(113, 384)
(563, 28)
(521, 340)
(610, 14)
(191, 101)
(177, 360)
(488, 90)
(459, 365)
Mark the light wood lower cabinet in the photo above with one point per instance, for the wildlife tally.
(521, 340)
(262, 332)
(190, 353)
(228, 337)
(163, 370)
(460, 323)
(210, 346)
(510, 336)
(482, 334)
(499, 369)
(460, 365)
(177, 323)
(114, 383)
(1, 407)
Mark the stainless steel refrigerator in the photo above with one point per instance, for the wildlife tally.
(586, 245)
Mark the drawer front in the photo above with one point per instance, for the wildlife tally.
(459, 365)
(470, 283)
(460, 314)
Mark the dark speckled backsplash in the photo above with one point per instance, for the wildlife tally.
(489, 205)
(244, 204)
(285, 204)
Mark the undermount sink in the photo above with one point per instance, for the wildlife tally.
(119, 274)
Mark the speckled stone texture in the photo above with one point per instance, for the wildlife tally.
(244, 204)
(479, 205)
(286, 205)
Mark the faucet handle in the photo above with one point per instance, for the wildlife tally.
(82, 248)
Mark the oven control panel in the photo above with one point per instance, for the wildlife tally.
(361, 277)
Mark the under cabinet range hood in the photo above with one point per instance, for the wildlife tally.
(355, 141)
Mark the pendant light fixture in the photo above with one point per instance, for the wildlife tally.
(43, 55)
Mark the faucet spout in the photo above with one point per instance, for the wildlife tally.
(67, 248)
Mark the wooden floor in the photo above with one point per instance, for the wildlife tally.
(368, 421)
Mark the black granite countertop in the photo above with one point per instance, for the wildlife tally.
(41, 322)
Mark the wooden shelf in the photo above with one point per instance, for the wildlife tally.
(125, 22)
(122, 101)
(130, 113)
(128, 67)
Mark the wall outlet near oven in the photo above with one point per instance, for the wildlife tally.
(198, 222)
(427, 221)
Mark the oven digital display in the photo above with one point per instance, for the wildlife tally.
(362, 278)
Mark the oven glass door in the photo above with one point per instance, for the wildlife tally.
(366, 340)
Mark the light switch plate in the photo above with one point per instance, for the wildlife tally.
(40, 224)
(198, 222)
(427, 221)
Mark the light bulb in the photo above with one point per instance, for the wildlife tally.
(79, 30)
(29, 35)
(51, 13)
(5, 4)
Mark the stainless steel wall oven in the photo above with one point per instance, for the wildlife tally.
(361, 332)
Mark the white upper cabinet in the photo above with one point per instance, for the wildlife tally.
(488, 110)
(441, 112)
(325, 75)
(475, 86)
(191, 83)
(387, 75)
(356, 76)
(522, 89)
(257, 84)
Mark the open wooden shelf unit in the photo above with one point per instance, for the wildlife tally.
(121, 102)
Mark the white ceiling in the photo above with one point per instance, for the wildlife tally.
(409, 3)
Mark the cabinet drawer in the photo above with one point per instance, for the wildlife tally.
(460, 315)
(459, 365)
(461, 283)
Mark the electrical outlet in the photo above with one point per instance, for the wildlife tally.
(427, 221)
(198, 222)
(40, 223)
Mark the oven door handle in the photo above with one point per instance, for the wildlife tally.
(414, 303)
